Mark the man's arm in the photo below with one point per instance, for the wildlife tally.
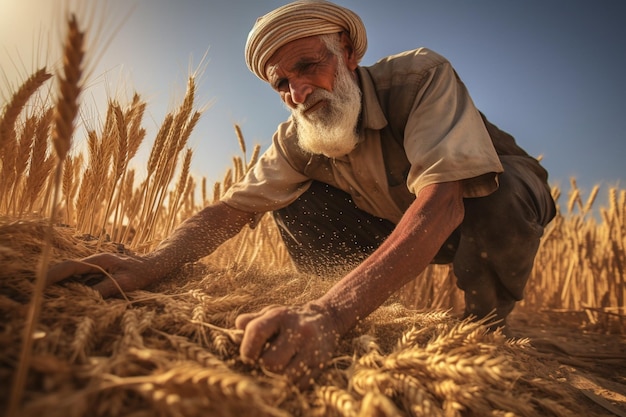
(199, 235)
(299, 340)
(415, 241)
(195, 238)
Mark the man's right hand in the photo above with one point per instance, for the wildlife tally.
(123, 272)
(196, 237)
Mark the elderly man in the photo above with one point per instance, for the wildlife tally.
(390, 167)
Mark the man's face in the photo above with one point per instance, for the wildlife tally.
(321, 92)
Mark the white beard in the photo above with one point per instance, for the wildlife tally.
(332, 129)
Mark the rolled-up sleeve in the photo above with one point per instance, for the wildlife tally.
(445, 138)
(272, 183)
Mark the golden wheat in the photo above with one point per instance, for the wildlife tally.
(180, 189)
(255, 156)
(335, 401)
(40, 169)
(16, 103)
(175, 351)
(242, 142)
(146, 348)
(66, 110)
(82, 339)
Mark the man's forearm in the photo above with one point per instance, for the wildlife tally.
(198, 236)
(401, 257)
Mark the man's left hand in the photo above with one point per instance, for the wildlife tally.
(297, 341)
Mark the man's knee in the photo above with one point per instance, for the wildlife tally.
(500, 236)
(524, 195)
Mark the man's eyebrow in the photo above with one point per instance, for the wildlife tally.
(305, 61)
(301, 64)
(313, 58)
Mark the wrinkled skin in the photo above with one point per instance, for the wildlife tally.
(297, 341)
(122, 272)
(197, 237)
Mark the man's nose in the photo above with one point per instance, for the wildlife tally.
(299, 92)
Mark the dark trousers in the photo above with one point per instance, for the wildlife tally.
(492, 251)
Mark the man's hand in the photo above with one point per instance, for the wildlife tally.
(297, 341)
(110, 272)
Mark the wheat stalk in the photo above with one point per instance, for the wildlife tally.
(223, 387)
(136, 133)
(120, 162)
(180, 189)
(242, 142)
(591, 199)
(217, 191)
(68, 186)
(228, 180)
(238, 168)
(176, 138)
(17, 102)
(69, 86)
(148, 188)
(254, 158)
(335, 401)
(20, 162)
(83, 338)
(66, 110)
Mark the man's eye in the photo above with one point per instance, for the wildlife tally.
(308, 67)
(282, 85)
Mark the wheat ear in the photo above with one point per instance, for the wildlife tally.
(255, 156)
(66, 111)
(18, 101)
(41, 163)
(20, 162)
(8, 135)
(242, 142)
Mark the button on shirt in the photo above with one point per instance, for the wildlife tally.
(418, 127)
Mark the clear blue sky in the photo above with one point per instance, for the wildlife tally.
(549, 72)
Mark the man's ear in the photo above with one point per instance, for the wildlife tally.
(348, 51)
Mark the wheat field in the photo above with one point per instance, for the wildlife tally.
(172, 350)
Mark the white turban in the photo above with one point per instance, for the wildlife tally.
(297, 20)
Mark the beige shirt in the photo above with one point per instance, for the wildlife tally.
(419, 126)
